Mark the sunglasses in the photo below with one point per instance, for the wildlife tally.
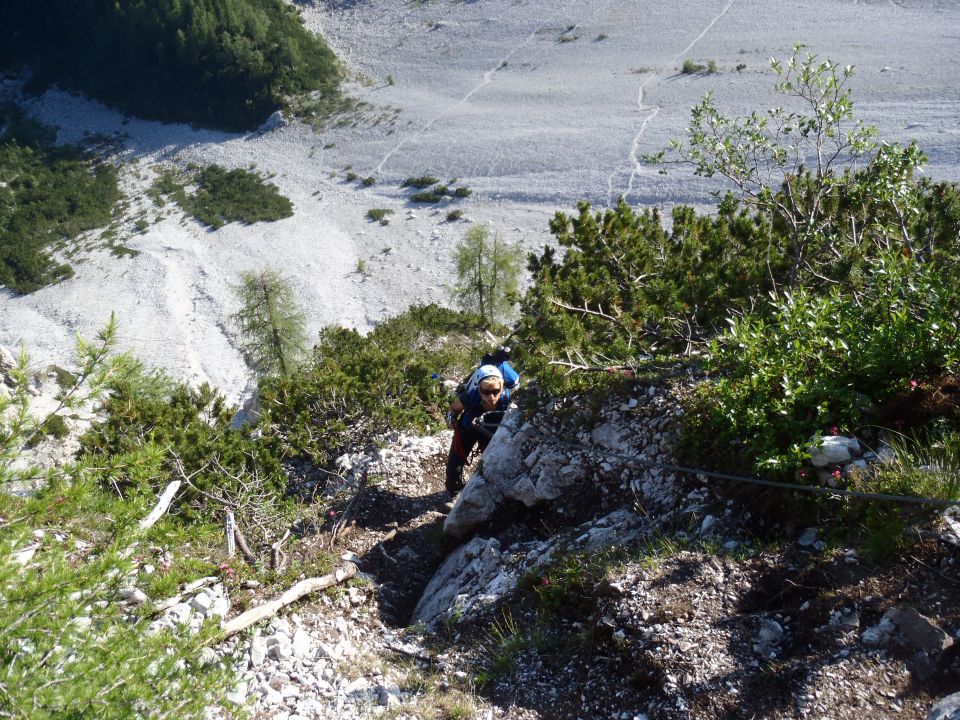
(491, 393)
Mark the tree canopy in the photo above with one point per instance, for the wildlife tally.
(217, 63)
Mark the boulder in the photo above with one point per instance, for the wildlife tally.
(467, 571)
(475, 504)
(916, 632)
(946, 709)
(610, 436)
(834, 450)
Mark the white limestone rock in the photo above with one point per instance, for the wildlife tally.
(834, 450)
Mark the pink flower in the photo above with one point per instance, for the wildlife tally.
(834, 430)
(803, 473)
(836, 474)
(544, 582)
(332, 513)
(914, 384)
(165, 565)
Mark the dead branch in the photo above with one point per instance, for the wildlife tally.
(268, 609)
(244, 548)
(587, 311)
(278, 558)
(163, 502)
(351, 508)
(591, 368)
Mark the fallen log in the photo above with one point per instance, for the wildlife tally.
(268, 609)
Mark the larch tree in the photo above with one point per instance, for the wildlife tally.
(272, 325)
(488, 273)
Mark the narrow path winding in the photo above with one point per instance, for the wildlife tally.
(486, 80)
(649, 112)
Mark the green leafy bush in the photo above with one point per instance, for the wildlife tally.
(426, 197)
(68, 646)
(810, 362)
(421, 182)
(360, 386)
(50, 194)
(380, 215)
(626, 288)
(223, 196)
(218, 64)
(191, 434)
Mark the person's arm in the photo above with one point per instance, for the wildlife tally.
(456, 407)
(511, 378)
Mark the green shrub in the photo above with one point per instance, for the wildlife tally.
(360, 386)
(626, 288)
(65, 378)
(68, 647)
(424, 181)
(690, 67)
(426, 197)
(55, 427)
(218, 64)
(223, 196)
(568, 583)
(811, 362)
(50, 194)
(190, 432)
(462, 192)
(454, 215)
(368, 181)
(351, 176)
(380, 215)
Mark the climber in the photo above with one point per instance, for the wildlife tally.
(486, 390)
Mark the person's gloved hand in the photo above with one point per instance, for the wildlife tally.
(451, 420)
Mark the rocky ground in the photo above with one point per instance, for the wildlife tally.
(600, 604)
(569, 582)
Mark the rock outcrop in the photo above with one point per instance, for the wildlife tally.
(533, 464)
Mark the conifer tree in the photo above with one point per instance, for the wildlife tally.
(272, 325)
(488, 272)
